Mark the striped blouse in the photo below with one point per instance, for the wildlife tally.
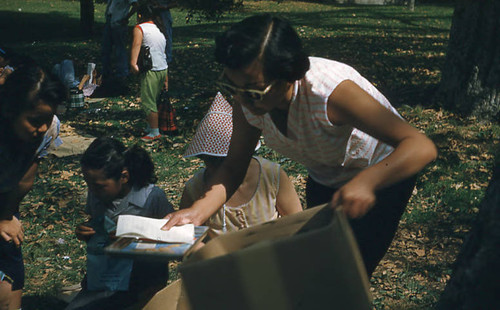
(332, 154)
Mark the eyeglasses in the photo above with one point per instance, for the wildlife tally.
(253, 94)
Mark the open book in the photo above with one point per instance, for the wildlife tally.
(134, 226)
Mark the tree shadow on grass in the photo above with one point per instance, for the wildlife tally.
(22, 27)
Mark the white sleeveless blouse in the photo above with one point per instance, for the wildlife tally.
(332, 154)
(154, 38)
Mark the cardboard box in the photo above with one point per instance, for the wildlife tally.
(308, 260)
(173, 297)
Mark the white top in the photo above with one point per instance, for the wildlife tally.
(153, 38)
(332, 154)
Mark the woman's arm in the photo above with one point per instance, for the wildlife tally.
(26, 183)
(287, 200)
(136, 47)
(10, 226)
(349, 104)
(228, 177)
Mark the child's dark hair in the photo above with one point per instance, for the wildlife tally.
(146, 8)
(112, 156)
(268, 38)
(25, 88)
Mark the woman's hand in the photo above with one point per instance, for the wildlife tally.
(182, 217)
(84, 232)
(12, 231)
(355, 197)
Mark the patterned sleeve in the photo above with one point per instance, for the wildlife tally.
(51, 139)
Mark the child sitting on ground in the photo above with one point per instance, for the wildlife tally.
(266, 191)
(28, 128)
(120, 181)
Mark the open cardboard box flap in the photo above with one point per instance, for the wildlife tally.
(283, 227)
(307, 260)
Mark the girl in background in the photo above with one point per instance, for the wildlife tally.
(120, 181)
(148, 33)
(28, 129)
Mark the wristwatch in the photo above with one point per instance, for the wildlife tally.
(4, 277)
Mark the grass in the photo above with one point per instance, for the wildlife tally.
(400, 51)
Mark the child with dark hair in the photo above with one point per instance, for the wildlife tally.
(28, 129)
(359, 152)
(120, 181)
(266, 191)
(148, 32)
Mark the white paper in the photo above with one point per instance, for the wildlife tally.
(149, 228)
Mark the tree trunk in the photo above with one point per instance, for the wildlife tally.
(475, 281)
(87, 16)
(470, 81)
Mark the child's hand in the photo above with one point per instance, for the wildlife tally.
(134, 68)
(84, 232)
(12, 231)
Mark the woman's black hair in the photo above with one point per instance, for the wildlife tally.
(146, 8)
(270, 39)
(112, 156)
(25, 88)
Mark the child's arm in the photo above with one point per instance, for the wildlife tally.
(287, 200)
(84, 231)
(136, 47)
(166, 83)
